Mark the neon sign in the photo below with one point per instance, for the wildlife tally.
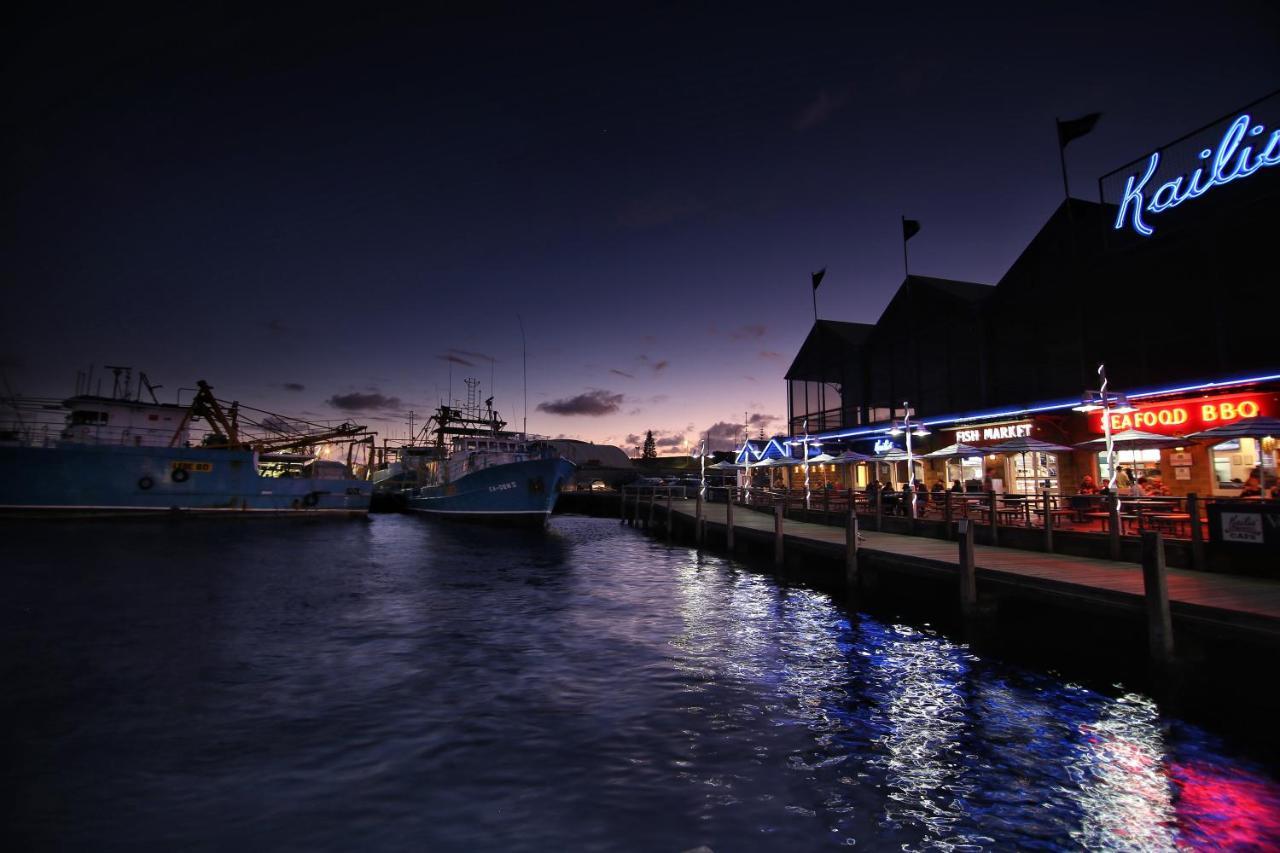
(1228, 162)
(885, 445)
(1183, 416)
(993, 433)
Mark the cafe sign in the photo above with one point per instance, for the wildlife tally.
(1179, 417)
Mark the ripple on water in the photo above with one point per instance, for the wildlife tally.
(409, 684)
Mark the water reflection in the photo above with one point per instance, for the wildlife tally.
(410, 685)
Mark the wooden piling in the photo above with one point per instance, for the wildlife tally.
(968, 576)
(1048, 524)
(1156, 587)
(653, 499)
(851, 551)
(728, 520)
(946, 511)
(879, 507)
(992, 518)
(635, 516)
(670, 517)
(697, 521)
(622, 502)
(778, 512)
(1197, 533)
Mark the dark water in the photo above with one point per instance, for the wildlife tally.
(405, 685)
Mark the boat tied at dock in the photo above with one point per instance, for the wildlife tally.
(475, 470)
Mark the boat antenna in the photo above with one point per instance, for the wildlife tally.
(524, 367)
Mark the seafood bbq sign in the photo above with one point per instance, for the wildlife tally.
(1244, 149)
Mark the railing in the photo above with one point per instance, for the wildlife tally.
(1118, 520)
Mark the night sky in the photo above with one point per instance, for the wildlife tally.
(317, 213)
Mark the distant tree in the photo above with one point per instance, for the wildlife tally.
(650, 447)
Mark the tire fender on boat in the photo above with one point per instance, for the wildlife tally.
(179, 475)
(146, 483)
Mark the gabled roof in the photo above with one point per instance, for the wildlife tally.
(829, 341)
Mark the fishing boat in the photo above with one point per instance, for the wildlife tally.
(476, 470)
(123, 455)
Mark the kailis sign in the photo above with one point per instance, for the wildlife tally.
(1245, 148)
(1179, 417)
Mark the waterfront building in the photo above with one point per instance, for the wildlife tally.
(1184, 315)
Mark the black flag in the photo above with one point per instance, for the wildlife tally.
(817, 277)
(910, 228)
(1076, 128)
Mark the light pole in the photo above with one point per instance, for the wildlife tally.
(1109, 403)
(805, 462)
(905, 426)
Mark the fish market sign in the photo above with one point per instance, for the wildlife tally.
(1004, 432)
(1242, 151)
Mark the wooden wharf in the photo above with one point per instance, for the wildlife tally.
(1221, 605)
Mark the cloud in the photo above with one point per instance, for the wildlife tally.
(660, 366)
(723, 433)
(594, 403)
(617, 372)
(747, 332)
(294, 386)
(656, 366)
(456, 359)
(632, 438)
(663, 207)
(357, 402)
(759, 420)
(479, 356)
(669, 441)
(818, 111)
(770, 354)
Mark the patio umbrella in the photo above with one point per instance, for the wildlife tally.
(725, 466)
(1026, 444)
(959, 450)
(1134, 440)
(851, 456)
(1256, 428)
(821, 458)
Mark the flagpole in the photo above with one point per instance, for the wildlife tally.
(906, 271)
(1062, 157)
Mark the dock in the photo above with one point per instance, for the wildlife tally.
(1226, 606)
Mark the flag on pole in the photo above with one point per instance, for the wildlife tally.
(817, 277)
(910, 228)
(1076, 128)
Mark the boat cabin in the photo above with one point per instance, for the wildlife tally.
(103, 420)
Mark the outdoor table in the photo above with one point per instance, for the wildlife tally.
(1173, 520)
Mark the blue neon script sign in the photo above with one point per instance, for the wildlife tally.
(1230, 161)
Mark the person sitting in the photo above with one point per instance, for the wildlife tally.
(957, 487)
(1088, 486)
(938, 488)
(1252, 488)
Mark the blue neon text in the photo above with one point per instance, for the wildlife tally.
(1230, 161)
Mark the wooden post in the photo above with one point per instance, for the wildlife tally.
(653, 500)
(728, 520)
(623, 504)
(1114, 509)
(635, 516)
(968, 578)
(697, 521)
(777, 536)
(946, 510)
(879, 506)
(991, 517)
(1156, 585)
(851, 551)
(1048, 524)
(670, 517)
(826, 505)
(1197, 534)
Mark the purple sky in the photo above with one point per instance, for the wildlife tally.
(315, 213)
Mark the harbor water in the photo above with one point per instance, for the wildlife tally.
(410, 684)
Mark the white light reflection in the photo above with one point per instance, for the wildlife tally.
(1124, 794)
(922, 716)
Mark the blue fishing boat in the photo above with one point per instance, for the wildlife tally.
(476, 471)
(122, 455)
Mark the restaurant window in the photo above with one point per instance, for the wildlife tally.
(971, 471)
(1143, 463)
(1236, 461)
(1035, 472)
